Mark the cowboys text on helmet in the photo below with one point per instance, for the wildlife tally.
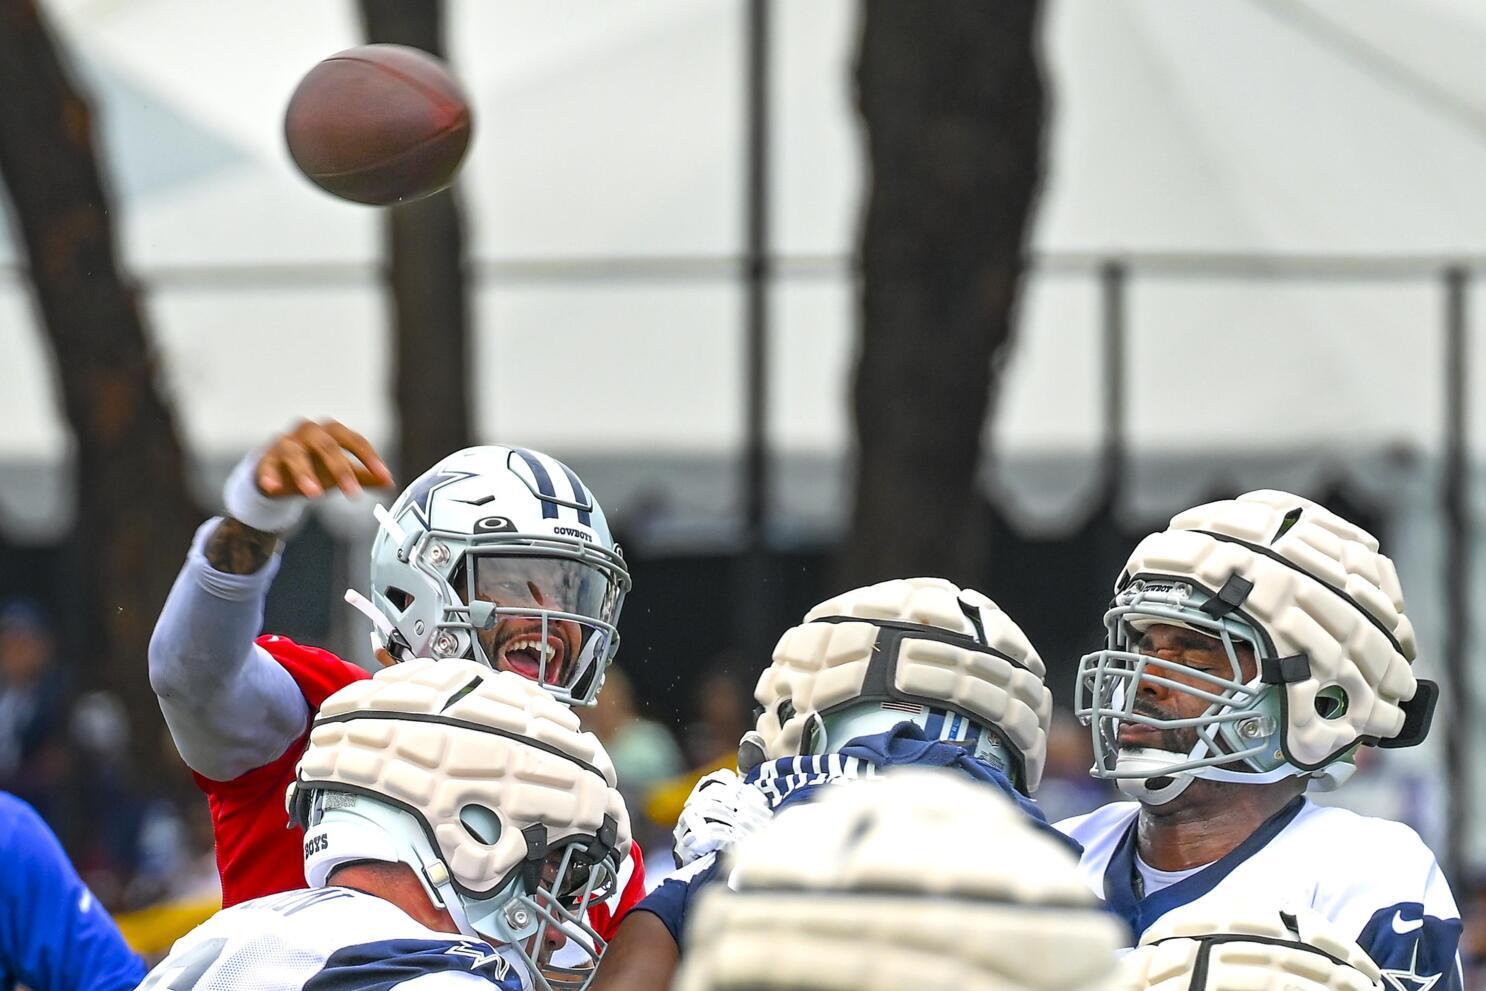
(500, 555)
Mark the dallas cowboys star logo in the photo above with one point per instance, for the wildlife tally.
(1411, 979)
(479, 957)
(420, 494)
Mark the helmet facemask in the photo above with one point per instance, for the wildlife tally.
(543, 607)
(1237, 735)
(545, 919)
(486, 516)
(549, 893)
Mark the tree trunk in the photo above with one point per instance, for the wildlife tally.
(426, 279)
(952, 98)
(133, 512)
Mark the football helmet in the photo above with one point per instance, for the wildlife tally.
(1322, 613)
(918, 878)
(501, 555)
(1296, 949)
(485, 786)
(918, 650)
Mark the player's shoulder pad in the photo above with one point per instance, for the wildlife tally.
(393, 963)
(1341, 834)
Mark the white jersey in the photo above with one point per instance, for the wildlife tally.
(329, 939)
(1374, 878)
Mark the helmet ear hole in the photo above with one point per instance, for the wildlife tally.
(400, 600)
(481, 823)
(1331, 702)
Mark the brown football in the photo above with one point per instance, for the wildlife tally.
(379, 124)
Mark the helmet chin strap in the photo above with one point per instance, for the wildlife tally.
(382, 630)
(1159, 788)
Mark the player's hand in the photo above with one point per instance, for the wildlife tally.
(315, 458)
(721, 810)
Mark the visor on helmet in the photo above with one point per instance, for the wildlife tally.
(548, 619)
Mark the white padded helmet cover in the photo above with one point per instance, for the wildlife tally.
(1169, 953)
(1299, 613)
(491, 739)
(820, 665)
(949, 887)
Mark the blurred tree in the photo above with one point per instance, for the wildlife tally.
(133, 512)
(951, 95)
(426, 277)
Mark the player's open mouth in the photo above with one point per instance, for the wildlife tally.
(525, 653)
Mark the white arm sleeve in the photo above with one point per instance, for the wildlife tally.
(230, 707)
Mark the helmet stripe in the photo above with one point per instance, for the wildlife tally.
(543, 480)
(579, 495)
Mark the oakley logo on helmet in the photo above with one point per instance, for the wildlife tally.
(494, 524)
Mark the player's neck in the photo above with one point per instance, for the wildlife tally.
(1208, 821)
(398, 886)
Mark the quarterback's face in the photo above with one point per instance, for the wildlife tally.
(1190, 654)
(516, 642)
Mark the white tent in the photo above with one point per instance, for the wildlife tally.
(615, 131)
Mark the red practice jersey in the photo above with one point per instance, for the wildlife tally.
(259, 853)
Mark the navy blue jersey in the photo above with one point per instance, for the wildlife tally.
(790, 780)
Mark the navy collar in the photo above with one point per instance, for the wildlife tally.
(1142, 913)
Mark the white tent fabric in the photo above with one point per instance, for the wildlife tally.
(608, 130)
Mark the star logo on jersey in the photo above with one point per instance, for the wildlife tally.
(1411, 979)
(420, 494)
(478, 957)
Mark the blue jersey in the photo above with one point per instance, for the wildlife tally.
(1374, 878)
(53, 932)
(790, 780)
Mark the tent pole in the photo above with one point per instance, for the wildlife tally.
(1112, 278)
(754, 596)
(1456, 576)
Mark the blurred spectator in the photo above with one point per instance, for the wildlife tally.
(1473, 939)
(642, 750)
(1066, 789)
(33, 707)
(722, 707)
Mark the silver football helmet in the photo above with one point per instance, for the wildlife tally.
(1308, 597)
(501, 555)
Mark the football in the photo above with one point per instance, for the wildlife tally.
(379, 124)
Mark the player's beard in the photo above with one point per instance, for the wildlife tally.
(1176, 741)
